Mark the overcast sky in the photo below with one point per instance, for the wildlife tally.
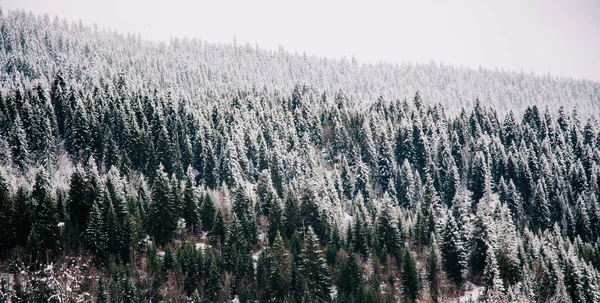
(559, 37)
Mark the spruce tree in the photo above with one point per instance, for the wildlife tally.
(7, 218)
(46, 215)
(454, 256)
(191, 209)
(313, 269)
(162, 209)
(410, 277)
(280, 273)
(207, 213)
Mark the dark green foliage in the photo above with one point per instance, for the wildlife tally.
(313, 269)
(410, 277)
(280, 273)
(162, 209)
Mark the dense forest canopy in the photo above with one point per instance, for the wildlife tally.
(33, 49)
(133, 171)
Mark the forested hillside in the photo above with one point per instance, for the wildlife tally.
(33, 49)
(141, 173)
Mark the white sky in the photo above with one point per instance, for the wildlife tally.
(560, 37)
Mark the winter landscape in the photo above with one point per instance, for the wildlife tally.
(134, 170)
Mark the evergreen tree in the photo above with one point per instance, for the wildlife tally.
(96, 238)
(434, 265)
(410, 277)
(19, 144)
(313, 269)
(207, 213)
(210, 168)
(7, 218)
(242, 207)
(388, 235)
(162, 209)
(454, 256)
(46, 215)
(494, 288)
(385, 164)
(280, 274)
(429, 210)
(191, 211)
(291, 215)
(541, 211)
(350, 278)
(405, 186)
(266, 192)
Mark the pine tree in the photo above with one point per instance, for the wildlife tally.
(96, 238)
(434, 264)
(207, 213)
(242, 207)
(385, 164)
(347, 183)
(313, 269)
(162, 209)
(23, 222)
(231, 171)
(291, 215)
(479, 172)
(78, 200)
(46, 215)
(191, 209)
(280, 273)
(275, 220)
(410, 277)
(219, 230)
(210, 168)
(19, 144)
(541, 211)
(454, 256)
(350, 280)
(429, 210)
(388, 235)
(361, 183)
(277, 173)
(582, 221)
(405, 186)
(494, 287)
(266, 192)
(7, 218)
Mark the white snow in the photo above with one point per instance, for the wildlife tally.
(201, 246)
(471, 295)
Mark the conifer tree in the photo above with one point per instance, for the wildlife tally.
(350, 280)
(454, 256)
(541, 211)
(428, 211)
(191, 209)
(46, 214)
(313, 269)
(19, 144)
(210, 168)
(7, 218)
(494, 288)
(207, 213)
(266, 192)
(388, 235)
(410, 277)
(405, 186)
(242, 207)
(280, 273)
(162, 209)
(96, 239)
(434, 264)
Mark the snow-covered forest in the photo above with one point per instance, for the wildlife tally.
(134, 171)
